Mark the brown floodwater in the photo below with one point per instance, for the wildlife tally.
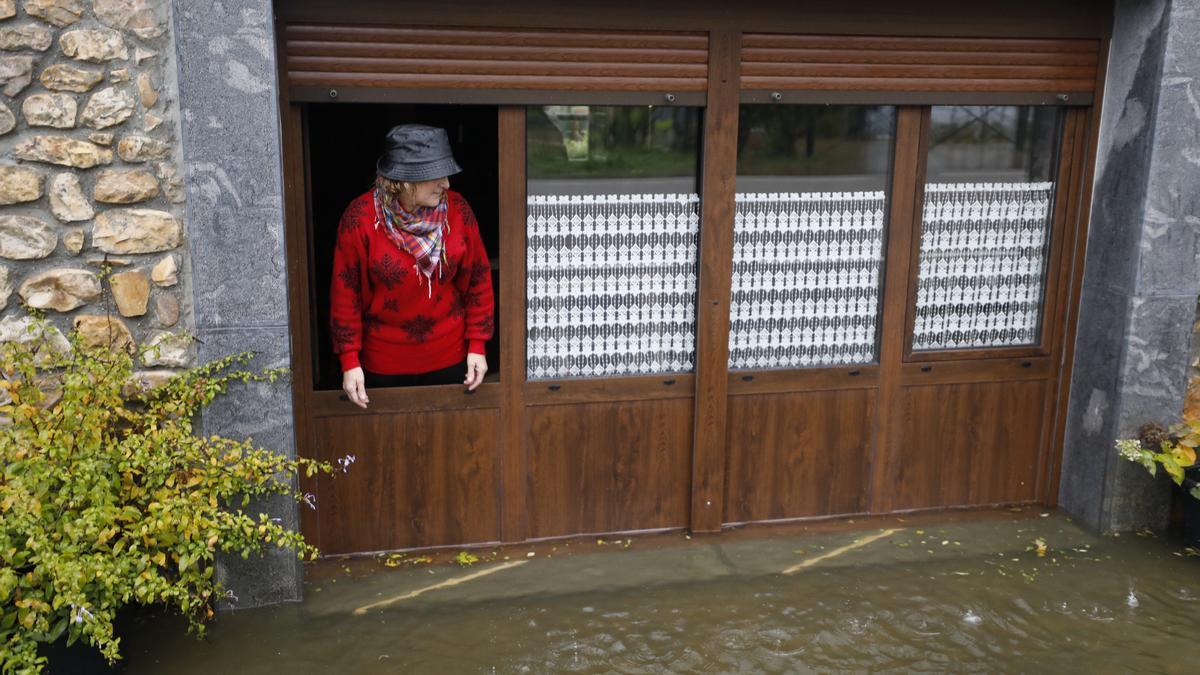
(895, 595)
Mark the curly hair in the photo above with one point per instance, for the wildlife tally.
(393, 190)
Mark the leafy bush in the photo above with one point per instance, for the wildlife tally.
(1173, 448)
(107, 497)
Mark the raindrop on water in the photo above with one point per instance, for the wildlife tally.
(972, 618)
(1132, 599)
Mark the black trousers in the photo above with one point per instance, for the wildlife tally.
(453, 375)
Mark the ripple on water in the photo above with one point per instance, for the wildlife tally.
(1024, 616)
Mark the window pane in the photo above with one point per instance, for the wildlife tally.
(612, 230)
(985, 229)
(808, 235)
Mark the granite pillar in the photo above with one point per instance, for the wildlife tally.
(1142, 274)
(232, 156)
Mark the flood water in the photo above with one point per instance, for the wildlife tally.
(962, 596)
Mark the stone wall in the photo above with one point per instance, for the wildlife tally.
(90, 175)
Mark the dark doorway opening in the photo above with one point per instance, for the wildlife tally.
(343, 142)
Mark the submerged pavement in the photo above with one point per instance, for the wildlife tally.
(1012, 591)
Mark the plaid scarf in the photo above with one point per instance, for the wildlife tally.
(419, 232)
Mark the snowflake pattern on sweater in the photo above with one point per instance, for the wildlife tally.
(391, 319)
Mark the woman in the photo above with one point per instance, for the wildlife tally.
(411, 294)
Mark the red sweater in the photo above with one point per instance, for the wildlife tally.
(385, 316)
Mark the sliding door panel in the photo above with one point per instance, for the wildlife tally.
(808, 263)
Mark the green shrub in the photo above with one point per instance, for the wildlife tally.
(108, 498)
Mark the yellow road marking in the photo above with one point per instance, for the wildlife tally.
(857, 543)
(445, 584)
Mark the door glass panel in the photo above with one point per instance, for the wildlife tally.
(612, 228)
(985, 230)
(808, 235)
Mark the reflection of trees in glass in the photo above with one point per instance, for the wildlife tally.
(1019, 142)
(611, 141)
(811, 140)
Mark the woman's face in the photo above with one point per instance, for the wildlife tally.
(427, 192)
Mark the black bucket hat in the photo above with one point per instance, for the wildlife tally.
(416, 152)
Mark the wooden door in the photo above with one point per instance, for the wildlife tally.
(427, 459)
(973, 394)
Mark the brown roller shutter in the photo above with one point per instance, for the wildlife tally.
(322, 57)
(791, 63)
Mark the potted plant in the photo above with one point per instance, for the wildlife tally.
(1174, 450)
(108, 499)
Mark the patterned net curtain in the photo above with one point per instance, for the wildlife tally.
(985, 230)
(612, 231)
(806, 270)
(983, 258)
(808, 235)
(612, 284)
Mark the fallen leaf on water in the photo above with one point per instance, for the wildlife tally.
(1039, 545)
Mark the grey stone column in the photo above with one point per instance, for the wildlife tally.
(1143, 265)
(232, 157)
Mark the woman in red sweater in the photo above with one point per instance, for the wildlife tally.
(411, 294)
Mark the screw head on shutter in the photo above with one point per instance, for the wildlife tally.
(670, 98)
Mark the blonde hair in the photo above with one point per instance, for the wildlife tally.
(393, 190)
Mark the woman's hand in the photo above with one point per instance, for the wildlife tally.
(354, 384)
(476, 369)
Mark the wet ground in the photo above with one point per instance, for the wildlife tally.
(1010, 592)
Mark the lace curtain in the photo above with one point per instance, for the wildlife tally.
(806, 272)
(611, 287)
(983, 264)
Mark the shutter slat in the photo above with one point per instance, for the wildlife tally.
(535, 82)
(914, 84)
(496, 53)
(918, 64)
(770, 55)
(473, 58)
